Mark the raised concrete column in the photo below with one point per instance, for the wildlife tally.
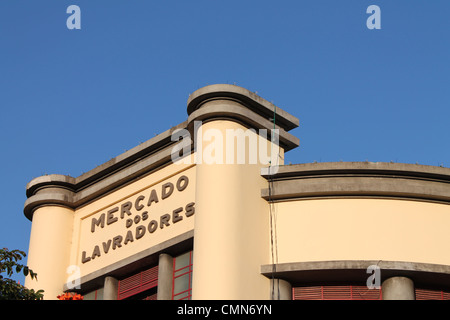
(398, 288)
(49, 207)
(232, 228)
(165, 277)
(110, 288)
(280, 289)
(231, 225)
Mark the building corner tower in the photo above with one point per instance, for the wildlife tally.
(49, 207)
(232, 225)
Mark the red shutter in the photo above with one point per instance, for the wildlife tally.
(336, 293)
(307, 293)
(138, 283)
(364, 293)
(422, 294)
(357, 293)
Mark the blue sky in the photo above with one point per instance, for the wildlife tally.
(73, 99)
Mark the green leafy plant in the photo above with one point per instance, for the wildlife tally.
(10, 289)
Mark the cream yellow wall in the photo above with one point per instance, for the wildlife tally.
(362, 229)
(49, 250)
(84, 240)
(231, 227)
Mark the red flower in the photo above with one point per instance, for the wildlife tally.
(70, 296)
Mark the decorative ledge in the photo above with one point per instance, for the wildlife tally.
(319, 272)
(359, 179)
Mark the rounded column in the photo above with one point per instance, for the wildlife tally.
(165, 277)
(280, 289)
(110, 288)
(231, 239)
(398, 288)
(49, 250)
(49, 207)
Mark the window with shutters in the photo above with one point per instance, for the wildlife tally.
(182, 277)
(140, 286)
(350, 292)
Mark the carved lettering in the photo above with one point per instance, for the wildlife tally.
(152, 226)
(96, 252)
(176, 215)
(167, 190)
(117, 242)
(153, 198)
(125, 208)
(106, 246)
(182, 183)
(134, 214)
(128, 237)
(98, 222)
(140, 232)
(137, 205)
(110, 218)
(85, 259)
(190, 210)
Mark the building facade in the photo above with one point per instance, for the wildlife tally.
(209, 210)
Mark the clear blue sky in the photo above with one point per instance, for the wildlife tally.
(73, 99)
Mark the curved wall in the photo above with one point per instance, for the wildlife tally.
(363, 229)
(334, 220)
